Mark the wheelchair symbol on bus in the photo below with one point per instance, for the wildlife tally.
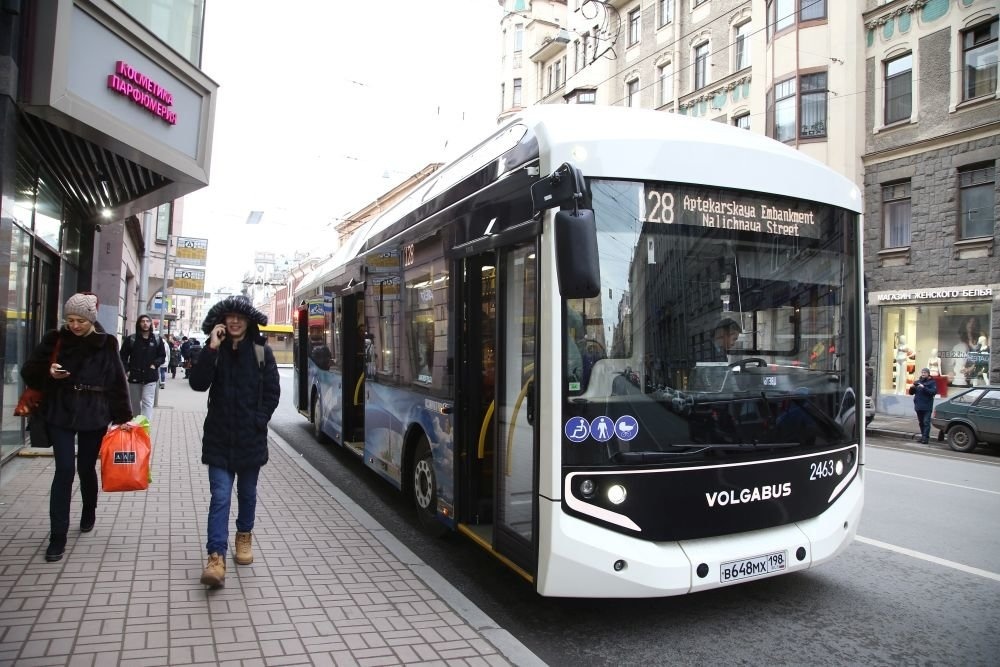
(626, 427)
(577, 429)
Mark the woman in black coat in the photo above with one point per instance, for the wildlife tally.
(85, 390)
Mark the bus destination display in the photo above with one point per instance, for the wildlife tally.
(718, 209)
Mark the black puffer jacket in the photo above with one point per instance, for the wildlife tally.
(235, 434)
(142, 357)
(77, 402)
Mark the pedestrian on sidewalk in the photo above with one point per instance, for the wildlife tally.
(924, 390)
(175, 358)
(85, 390)
(166, 358)
(238, 370)
(142, 354)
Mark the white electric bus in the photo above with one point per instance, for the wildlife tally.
(620, 349)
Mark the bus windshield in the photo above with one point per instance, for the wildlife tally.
(724, 325)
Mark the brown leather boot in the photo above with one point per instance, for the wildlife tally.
(214, 574)
(244, 552)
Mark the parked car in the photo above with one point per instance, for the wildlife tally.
(869, 411)
(969, 418)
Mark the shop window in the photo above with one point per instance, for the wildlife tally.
(896, 212)
(977, 187)
(979, 55)
(950, 339)
(898, 88)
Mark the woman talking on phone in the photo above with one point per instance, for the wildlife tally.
(78, 369)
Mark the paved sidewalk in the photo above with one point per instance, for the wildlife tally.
(328, 586)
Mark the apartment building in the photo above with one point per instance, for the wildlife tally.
(898, 96)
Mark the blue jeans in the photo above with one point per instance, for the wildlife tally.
(924, 418)
(220, 481)
(85, 464)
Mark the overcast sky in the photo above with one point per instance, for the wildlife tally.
(319, 100)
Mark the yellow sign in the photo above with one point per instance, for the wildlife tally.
(191, 251)
(190, 282)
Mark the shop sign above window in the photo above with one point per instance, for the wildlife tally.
(143, 91)
(943, 293)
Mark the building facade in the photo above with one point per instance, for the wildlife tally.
(900, 96)
(104, 115)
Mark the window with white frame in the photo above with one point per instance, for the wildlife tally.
(701, 54)
(577, 61)
(741, 44)
(664, 12)
(784, 110)
(696, 3)
(812, 103)
(582, 97)
(518, 37)
(896, 215)
(516, 92)
(633, 27)
(977, 189)
(898, 88)
(665, 75)
(632, 93)
(979, 60)
(780, 15)
(742, 121)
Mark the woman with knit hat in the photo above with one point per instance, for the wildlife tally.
(85, 391)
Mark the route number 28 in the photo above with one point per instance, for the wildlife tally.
(660, 207)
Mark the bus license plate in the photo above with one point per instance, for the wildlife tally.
(757, 566)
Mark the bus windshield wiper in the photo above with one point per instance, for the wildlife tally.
(688, 449)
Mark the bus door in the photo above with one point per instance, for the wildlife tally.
(353, 385)
(300, 359)
(503, 417)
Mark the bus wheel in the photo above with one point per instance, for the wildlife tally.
(424, 489)
(961, 438)
(314, 416)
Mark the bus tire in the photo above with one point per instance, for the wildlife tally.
(321, 438)
(424, 489)
(961, 438)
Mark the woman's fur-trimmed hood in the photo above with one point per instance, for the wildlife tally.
(233, 304)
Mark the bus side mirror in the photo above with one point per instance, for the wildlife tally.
(577, 261)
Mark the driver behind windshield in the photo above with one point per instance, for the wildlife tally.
(724, 336)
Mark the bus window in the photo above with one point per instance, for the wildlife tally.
(426, 325)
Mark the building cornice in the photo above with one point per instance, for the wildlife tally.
(903, 8)
(939, 141)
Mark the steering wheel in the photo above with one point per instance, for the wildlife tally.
(756, 362)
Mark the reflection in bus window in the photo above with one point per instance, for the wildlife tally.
(427, 325)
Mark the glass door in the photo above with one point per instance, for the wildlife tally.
(516, 416)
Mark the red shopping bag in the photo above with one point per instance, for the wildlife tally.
(125, 452)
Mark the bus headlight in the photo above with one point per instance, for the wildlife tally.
(588, 488)
(616, 494)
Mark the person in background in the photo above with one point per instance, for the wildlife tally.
(142, 354)
(923, 391)
(85, 390)
(724, 336)
(244, 390)
(166, 359)
(175, 358)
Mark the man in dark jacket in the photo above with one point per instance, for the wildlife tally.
(142, 355)
(924, 390)
(240, 374)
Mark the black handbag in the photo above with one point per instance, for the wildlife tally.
(38, 430)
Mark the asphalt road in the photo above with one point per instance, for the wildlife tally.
(921, 585)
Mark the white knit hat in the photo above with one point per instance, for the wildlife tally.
(82, 304)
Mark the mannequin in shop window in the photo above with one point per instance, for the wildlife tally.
(934, 363)
(981, 359)
(967, 335)
(903, 353)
